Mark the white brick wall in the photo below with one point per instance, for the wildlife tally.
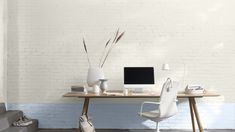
(46, 56)
(119, 115)
(1, 49)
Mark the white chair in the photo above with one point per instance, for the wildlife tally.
(167, 104)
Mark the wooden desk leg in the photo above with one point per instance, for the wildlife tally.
(197, 115)
(85, 109)
(192, 113)
(85, 106)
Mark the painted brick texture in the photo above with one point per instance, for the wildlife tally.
(1, 49)
(124, 116)
(46, 55)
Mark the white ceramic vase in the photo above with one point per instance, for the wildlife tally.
(93, 78)
(103, 85)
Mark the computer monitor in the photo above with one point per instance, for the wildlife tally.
(138, 77)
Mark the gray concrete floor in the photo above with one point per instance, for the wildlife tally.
(136, 130)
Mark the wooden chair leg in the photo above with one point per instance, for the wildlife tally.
(192, 114)
(197, 115)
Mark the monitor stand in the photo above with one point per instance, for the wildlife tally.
(136, 90)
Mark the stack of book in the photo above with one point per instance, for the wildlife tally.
(78, 88)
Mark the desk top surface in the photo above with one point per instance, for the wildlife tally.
(119, 94)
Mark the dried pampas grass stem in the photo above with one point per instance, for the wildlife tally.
(108, 47)
(116, 39)
(84, 44)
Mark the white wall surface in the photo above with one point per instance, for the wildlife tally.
(2, 91)
(46, 55)
(125, 116)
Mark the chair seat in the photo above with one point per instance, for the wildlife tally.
(167, 106)
(150, 114)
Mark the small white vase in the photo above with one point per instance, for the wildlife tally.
(93, 77)
(103, 85)
(96, 89)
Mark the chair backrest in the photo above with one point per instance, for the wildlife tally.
(168, 106)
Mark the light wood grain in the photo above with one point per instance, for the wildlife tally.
(196, 113)
(192, 115)
(119, 94)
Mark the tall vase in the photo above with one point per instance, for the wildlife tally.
(93, 78)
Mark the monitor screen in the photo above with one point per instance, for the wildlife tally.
(138, 75)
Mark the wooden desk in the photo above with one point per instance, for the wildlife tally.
(191, 97)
